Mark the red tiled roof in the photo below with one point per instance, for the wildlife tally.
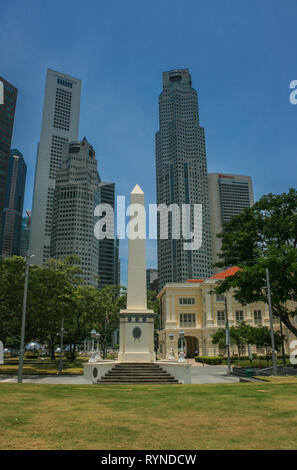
(228, 272)
(222, 275)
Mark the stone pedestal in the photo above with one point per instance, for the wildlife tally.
(136, 336)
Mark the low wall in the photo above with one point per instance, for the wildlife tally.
(179, 370)
(93, 371)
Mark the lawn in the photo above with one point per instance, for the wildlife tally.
(45, 366)
(221, 416)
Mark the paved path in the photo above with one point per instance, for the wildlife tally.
(212, 375)
(200, 375)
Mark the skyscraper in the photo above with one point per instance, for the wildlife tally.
(108, 269)
(60, 121)
(228, 196)
(75, 197)
(181, 174)
(7, 112)
(13, 205)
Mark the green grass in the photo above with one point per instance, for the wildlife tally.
(220, 416)
(46, 366)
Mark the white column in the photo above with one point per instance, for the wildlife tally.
(209, 318)
(136, 296)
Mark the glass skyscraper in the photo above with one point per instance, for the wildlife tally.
(181, 176)
(60, 122)
(7, 112)
(13, 205)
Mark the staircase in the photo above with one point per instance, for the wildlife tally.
(137, 373)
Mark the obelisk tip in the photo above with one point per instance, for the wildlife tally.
(137, 190)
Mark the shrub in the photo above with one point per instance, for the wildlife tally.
(211, 360)
(33, 354)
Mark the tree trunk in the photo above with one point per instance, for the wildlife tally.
(52, 349)
(287, 322)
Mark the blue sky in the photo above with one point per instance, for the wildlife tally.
(241, 55)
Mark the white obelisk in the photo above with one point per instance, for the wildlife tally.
(136, 321)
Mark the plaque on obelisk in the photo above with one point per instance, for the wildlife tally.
(136, 321)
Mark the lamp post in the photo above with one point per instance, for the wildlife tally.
(93, 353)
(271, 324)
(171, 353)
(182, 354)
(22, 348)
(227, 336)
(61, 346)
(98, 357)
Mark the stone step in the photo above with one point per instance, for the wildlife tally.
(133, 381)
(137, 373)
(103, 382)
(143, 376)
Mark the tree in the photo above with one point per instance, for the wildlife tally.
(264, 236)
(12, 273)
(51, 298)
(244, 334)
(106, 320)
(153, 303)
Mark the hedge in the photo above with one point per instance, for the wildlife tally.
(211, 360)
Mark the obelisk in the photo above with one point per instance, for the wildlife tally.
(136, 321)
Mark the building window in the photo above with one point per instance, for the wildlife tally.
(221, 317)
(187, 320)
(258, 317)
(220, 297)
(239, 317)
(187, 301)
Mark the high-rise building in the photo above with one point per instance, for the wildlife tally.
(75, 197)
(228, 196)
(152, 279)
(7, 112)
(13, 205)
(60, 121)
(181, 174)
(108, 248)
(25, 238)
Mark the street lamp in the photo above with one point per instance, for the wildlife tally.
(271, 324)
(93, 353)
(98, 357)
(22, 349)
(227, 336)
(182, 354)
(61, 346)
(171, 353)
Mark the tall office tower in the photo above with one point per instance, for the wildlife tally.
(152, 279)
(108, 248)
(181, 175)
(7, 112)
(60, 122)
(25, 238)
(228, 196)
(75, 197)
(13, 205)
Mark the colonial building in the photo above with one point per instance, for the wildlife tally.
(194, 308)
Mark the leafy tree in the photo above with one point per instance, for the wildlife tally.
(12, 273)
(264, 236)
(106, 319)
(51, 298)
(153, 303)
